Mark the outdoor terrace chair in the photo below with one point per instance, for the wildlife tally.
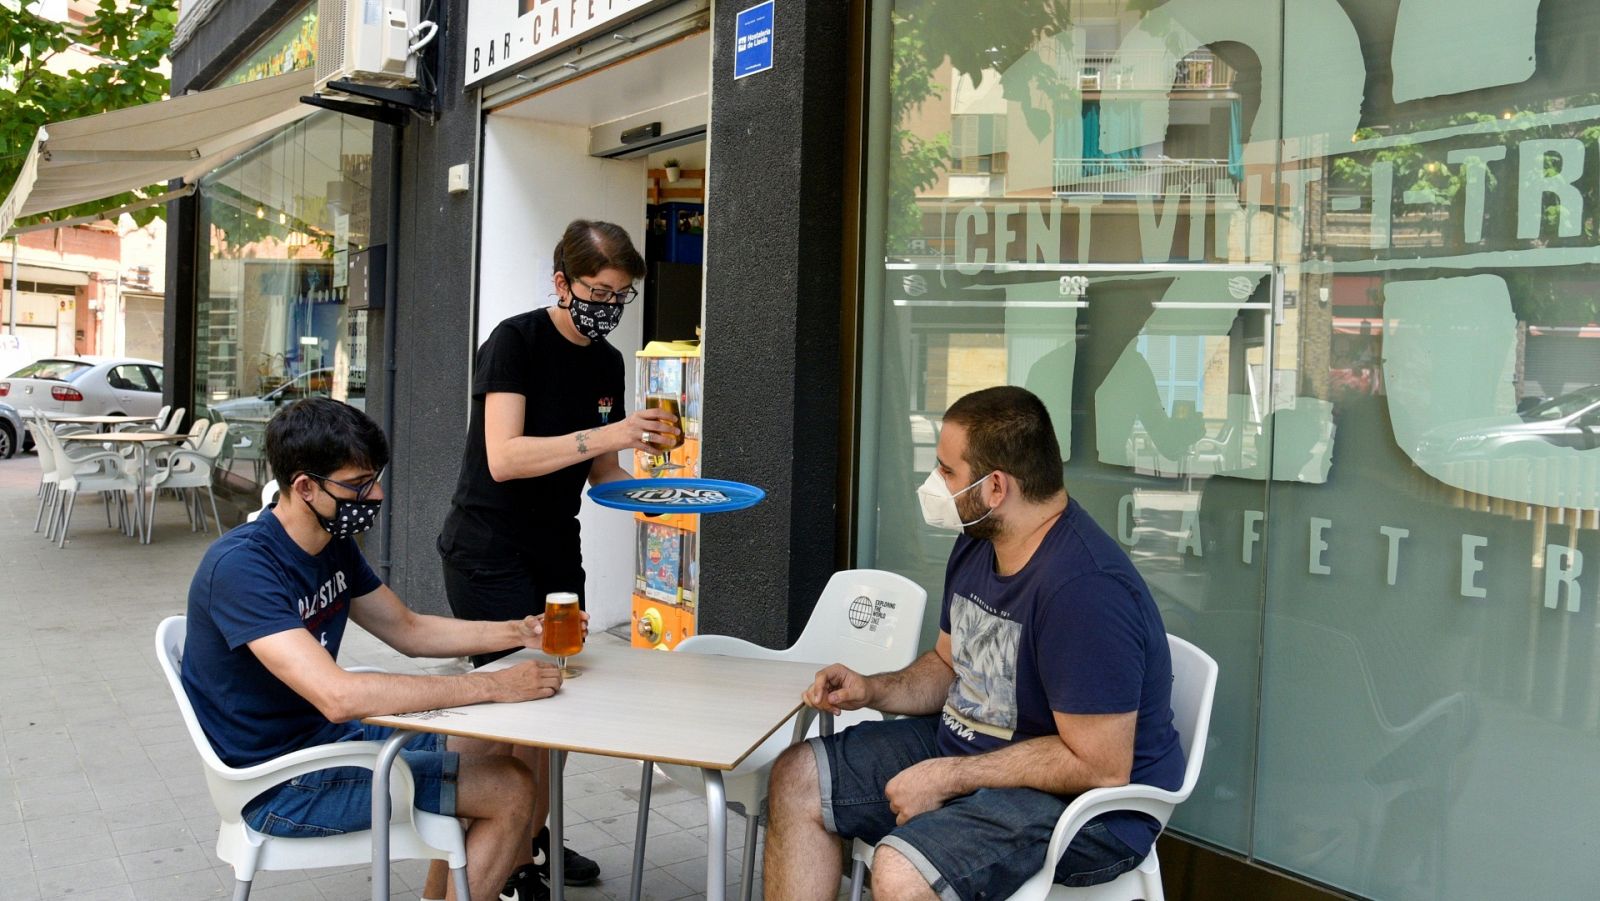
(413, 834)
(1194, 683)
(866, 619)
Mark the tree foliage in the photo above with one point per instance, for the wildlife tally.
(126, 45)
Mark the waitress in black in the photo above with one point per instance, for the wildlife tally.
(547, 416)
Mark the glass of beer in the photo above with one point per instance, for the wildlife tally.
(563, 630)
(668, 402)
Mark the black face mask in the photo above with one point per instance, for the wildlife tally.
(594, 320)
(350, 517)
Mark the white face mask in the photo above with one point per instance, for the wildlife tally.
(939, 505)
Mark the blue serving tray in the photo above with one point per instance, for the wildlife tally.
(676, 495)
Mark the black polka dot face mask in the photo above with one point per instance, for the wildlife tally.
(350, 517)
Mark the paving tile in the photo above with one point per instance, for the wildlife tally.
(70, 880)
(124, 793)
(143, 814)
(687, 814)
(76, 802)
(65, 826)
(10, 811)
(60, 853)
(182, 887)
(623, 828)
(658, 885)
(51, 786)
(152, 838)
(299, 891)
(106, 893)
(673, 847)
(19, 885)
(594, 807)
(181, 857)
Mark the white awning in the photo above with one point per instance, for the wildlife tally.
(96, 157)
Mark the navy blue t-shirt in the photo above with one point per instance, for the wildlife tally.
(1075, 631)
(254, 582)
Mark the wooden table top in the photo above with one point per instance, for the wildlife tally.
(123, 437)
(694, 709)
(99, 420)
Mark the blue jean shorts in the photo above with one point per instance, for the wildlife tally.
(976, 847)
(339, 800)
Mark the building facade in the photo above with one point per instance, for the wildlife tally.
(1307, 286)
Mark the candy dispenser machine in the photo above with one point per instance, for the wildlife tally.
(667, 560)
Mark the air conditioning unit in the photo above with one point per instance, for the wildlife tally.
(372, 42)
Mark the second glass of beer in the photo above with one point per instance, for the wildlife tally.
(668, 402)
(563, 630)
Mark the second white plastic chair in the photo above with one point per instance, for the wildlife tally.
(867, 619)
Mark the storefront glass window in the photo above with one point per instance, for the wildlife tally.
(1309, 291)
(272, 325)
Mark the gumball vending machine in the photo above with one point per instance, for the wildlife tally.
(666, 571)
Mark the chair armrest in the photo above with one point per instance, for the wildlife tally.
(1146, 799)
(726, 646)
(241, 786)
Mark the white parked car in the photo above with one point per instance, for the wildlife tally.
(85, 386)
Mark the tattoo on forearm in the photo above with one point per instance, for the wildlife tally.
(583, 442)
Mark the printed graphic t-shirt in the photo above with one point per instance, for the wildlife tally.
(254, 582)
(1075, 631)
(568, 388)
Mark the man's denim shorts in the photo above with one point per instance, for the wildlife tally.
(339, 800)
(980, 846)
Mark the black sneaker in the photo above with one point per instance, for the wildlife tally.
(576, 869)
(526, 884)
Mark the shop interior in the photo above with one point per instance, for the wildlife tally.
(625, 143)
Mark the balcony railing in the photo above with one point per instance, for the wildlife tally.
(1143, 176)
(1150, 70)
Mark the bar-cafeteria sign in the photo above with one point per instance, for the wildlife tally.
(501, 34)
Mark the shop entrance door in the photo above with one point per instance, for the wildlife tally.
(569, 153)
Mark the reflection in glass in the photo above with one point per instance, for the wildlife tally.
(1310, 290)
(272, 326)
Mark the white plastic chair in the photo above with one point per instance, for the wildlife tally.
(269, 493)
(866, 619)
(185, 469)
(413, 834)
(1194, 683)
(98, 470)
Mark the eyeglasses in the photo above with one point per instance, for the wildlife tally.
(361, 491)
(602, 294)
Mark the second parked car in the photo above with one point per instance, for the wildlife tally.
(85, 386)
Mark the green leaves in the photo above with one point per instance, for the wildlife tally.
(51, 71)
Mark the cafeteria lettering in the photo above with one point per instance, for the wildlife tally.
(1563, 564)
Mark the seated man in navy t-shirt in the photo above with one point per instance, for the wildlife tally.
(1050, 677)
(267, 611)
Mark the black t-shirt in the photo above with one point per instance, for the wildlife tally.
(568, 388)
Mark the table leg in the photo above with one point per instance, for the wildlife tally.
(144, 462)
(716, 836)
(646, 783)
(381, 810)
(558, 869)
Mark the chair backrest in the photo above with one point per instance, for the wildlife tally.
(269, 493)
(173, 422)
(170, 636)
(1194, 687)
(867, 619)
(197, 432)
(211, 444)
(161, 415)
(47, 456)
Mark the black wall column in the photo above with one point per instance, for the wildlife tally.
(434, 331)
(775, 209)
(178, 307)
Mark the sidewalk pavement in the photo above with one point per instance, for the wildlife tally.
(101, 793)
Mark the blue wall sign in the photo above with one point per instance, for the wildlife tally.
(752, 40)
